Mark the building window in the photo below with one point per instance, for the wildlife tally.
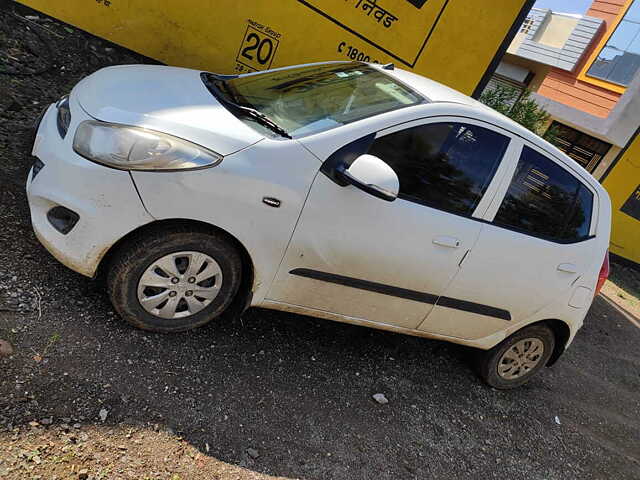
(588, 151)
(619, 59)
(527, 25)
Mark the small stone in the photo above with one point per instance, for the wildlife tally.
(83, 474)
(380, 398)
(6, 349)
(253, 453)
(46, 421)
(557, 419)
(103, 414)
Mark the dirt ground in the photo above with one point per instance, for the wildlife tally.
(271, 394)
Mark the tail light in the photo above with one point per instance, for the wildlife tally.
(604, 273)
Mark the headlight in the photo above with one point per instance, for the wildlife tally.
(64, 116)
(134, 148)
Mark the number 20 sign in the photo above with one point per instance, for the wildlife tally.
(257, 49)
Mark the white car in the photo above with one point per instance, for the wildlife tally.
(348, 191)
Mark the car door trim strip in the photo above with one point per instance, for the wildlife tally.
(366, 285)
(403, 293)
(473, 307)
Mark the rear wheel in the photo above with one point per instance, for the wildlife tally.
(174, 279)
(514, 361)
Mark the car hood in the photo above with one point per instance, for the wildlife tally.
(167, 99)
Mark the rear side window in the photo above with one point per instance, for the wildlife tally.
(447, 166)
(546, 201)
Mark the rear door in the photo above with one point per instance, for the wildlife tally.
(534, 244)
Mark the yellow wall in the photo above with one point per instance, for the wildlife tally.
(214, 34)
(621, 184)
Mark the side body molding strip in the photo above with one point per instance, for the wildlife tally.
(414, 295)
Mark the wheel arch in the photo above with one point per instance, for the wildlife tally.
(561, 332)
(240, 303)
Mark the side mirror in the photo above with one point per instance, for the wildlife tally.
(372, 175)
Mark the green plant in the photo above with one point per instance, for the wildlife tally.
(520, 107)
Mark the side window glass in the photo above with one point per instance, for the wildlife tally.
(545, 200)
(447, 166)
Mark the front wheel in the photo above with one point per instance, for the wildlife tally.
(174, 279)
(515, 360)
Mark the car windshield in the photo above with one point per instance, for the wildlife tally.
(311, 99)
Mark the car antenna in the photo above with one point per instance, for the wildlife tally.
(389, 66)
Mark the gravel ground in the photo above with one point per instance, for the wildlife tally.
(85, 396)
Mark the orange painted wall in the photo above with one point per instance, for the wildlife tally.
(564, 87)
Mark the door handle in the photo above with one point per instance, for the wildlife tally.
(446, 241)
(568, 267)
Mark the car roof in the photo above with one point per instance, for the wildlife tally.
(432, 90)
(436, 92)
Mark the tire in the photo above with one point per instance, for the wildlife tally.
(181, 249)
(505, 373)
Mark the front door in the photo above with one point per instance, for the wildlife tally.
(388, 262)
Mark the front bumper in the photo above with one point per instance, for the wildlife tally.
(105, 199)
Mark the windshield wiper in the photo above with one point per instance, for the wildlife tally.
(258, 116)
